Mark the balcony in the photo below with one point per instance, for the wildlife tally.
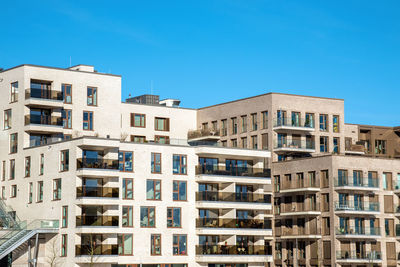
(94, 163)
(299, 209)
(353, 256)
(43, 124)
(358, 232)
(97, 221)
(300, 124)
(103, 192)
(233, 171)
(299, 186)
(298, 232)
(43, 98)
(231, 197)
(233, 223)
(354, 149)
(352, 207)
(98, 250)
(233, 250)
(203, 135)
(356, 183)
(294, 146)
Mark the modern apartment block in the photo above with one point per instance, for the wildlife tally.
(271, 180)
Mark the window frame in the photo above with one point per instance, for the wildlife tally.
(64, 217)
(166, 124)
(30, 193)
(14, 92)
(64, 160)
(323, 126)
(154, 189)
(125, 192)
(27, 166)
(93, 96)
(13, 191)
(148, 217)
(264, 119)
(64, 92)
(326, 143)
(122, 245)
(3, 174)
(254, 121)
(56, 189)
(336, 126)
(158, 137)
(66, 115)
(142, 120)
(13, 143)
(154, 162)
(129, 218)
(89, 121)
(172, 217)
(64, 245)
(181, 165)
(41, 164)
(154, 246)
(124, 162)
(12, 169)
(7, 119)
(178, 237)
(39, 194)
(178, 190)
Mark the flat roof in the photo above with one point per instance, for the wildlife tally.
(56, 68)
(373, 126)
(270, 93)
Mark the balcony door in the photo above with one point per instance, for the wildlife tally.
(281, 117)
(359, 225)
(243, 192)
(360, 250)
(92, 187)
(40, 89)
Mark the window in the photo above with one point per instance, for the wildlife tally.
(3, 175)
(40, 191)
(125, 159)
(204, 126)
(323, 122)
(13, 191)
(64, 160)
(67, 93)
(56, 189)
(214, 126)
(244, 123)
(323, 144)
(30, 194)
(27, 166)
(336, 145)
(264, 141)
(14, 92)
(179, 245)
(309, 122)
(125, 244)
(64, 245)
(7, 119)
(127, 188)
(254, 144)
(234, 125)
(12, 169)
(147, 217)
(92, 96)
(153, 189)
(224, 143)
(155, 244)
(264, 119)
(64, 215)
(234, 142)
(127, 216)
(14, 143)
(244, 142)
(254, 122)
(88, 120)
(174, 217)
(380, 146)
(3, 192)
(67, 118)
(224, 129)
(179, 191)
(179, 164)
(161, 124)
(138, 120)
(156, 162)
(161, 139)
(138, 139)
(335, 124)
(41, 167)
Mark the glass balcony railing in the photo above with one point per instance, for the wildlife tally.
(295, 144)
(356, 206)
(43, 94)
(233, 250)
(233, 223)
(43, 120)
(88, 220)
(306, 183)
(356, 182)
(98, 250)
(94, 163)
(91, 191)
(358, 231)
(194, 134)
(233, 171)
(299, 231)
(232, 197)
(354, 255)
(296, 122)
(299, 207)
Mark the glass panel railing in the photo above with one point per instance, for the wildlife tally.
(233, 171)
(232, 197)
(294, 144)
(356, 182)
(43, 120)
(98, 250)
(233, 223)
(92, 191)
(88, 220)
(294, 122)
(233, 250)
(94, 163)
(43, 94)
(373, 255)
(358, 231)
(299, 207)
(356, 206)
(194, 134)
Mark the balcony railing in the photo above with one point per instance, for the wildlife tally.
(289, 122)
(43, 120)
(92, 163)
(306, 183)
(44, 141)
(355, 148)
(88, 220)
(353, 255)
(233, 250)
(299, 207)
(193, 134)
(91, 191)
(233, 171)
(98, 250)
(358, 231)
(357, 182)
(295, 144)
(356, 206)
(232, 197)
(43, 94)
(233, 223)
(299, 231)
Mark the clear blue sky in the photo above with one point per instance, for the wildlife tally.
(207, 52)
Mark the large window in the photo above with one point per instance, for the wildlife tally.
(224, 127)
(127, 188)
(161, 124)
(234, 126)
(147, 216)
(179, 164)
(174, 217)
(92, 96)
(380, 146)
(14, 92)
(7, 119)
(56, 189)
(88, 120)
(40, 191)
(67, 118)
(323, 122)
(138, 120)
(254, 143)
(127, 216)
(155, 244)
(264, 119)
(12, 169)
(335, 124)
(323, 144)
(13, 191)
(27, 166)
(64, 242)
(309, 122)
(336, 145)
(14, 143)
(156, 162)
(161, 139)
(125, 159)
(179, 191)
(64, 160)
(67, 93)
(179, 245)
(244, 123)
(153, 190)
(138, 138)
(125, 244)
(64, 220)
(254, 123)
(30, 196)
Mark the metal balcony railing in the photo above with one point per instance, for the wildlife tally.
(233, 171)
(356, 182)
(91, 191)
(294, 122)
(98, 250)
(356, 206)
(233, 223)
(294, 144)
(43, 120)
(43, 94)
(231, 197)
(344, 254)
(94, 163)
(358, 231)
(233, 250)
(88, 220)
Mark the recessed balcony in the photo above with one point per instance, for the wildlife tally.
(354, 149)
(362, 208)
(298, 124)
(219, 170)
(204, 135)
(97, 221)
(294, 146)
(244, 250)
(231, 197)
(43, 123)
(298, 233)
(358, 257)
(97, 167)
(233, 223)
(299, 209)
(43, 98)
(97, 192)
(358, 232)
(356, 183)
(96, 250)
(305, 185)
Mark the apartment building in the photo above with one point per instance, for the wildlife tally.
(89, 181)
